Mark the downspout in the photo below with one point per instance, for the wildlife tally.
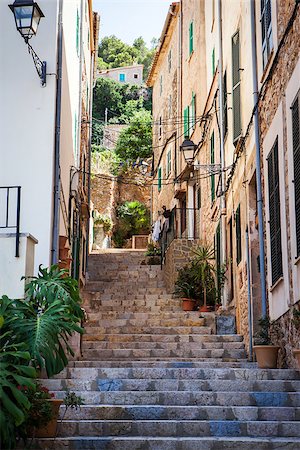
(222, 152)
(249, 297)
(56, 184)
(262, 269)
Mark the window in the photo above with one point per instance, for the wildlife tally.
(160, 127)
(236, 87)
(238, 235)
(225, 103)
(213, 62)
(170, 61)
(193, 112)
(266, 30)
(77, 33)
(135, 75)
(169, 163)
(191, 38)
(296, 157)
(186, 122)
(159, 180)
(274, 213)
(199, 198)
(122, 77)
(160, 85)
(212, 161)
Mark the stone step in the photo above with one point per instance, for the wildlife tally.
(184, 338)
(232, 354)
(201, 372)
(117, 384)
(160, 362)
(182, 413)
(168, 443)
(154, 321)
(131, 329)
(139, 299)
(127, 307)
(175, 428)
(209, 398)
(154, 286)
(89, 344)
(129, 315)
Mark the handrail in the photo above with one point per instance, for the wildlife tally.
(7, 215)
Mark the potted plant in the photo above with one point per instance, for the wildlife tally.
(266, 353)
(186, 289)
(153, 253)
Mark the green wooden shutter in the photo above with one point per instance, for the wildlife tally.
(191, 38)
(213, 62)
(236, 87)
(159, 180)
(296, 157)
(212, 161)
(186, 121)
(193, 112)
(274, 213)
(238, 235)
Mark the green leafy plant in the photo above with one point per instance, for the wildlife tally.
(185, 285)
(103, 219)
(132, 218)
(153, 250)
(262, 337)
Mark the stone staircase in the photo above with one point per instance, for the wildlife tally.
(155, 377)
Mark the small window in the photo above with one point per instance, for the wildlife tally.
(159, 180)
(186, 122)
(170, 61)
(135, 75)
(122, 77)
(236, 87)
(238, 235)
(199, 198)
(191, 38)
(296, 157)
(266, 30)
(169, 163)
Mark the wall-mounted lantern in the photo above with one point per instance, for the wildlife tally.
(27, 15)
(188, 148)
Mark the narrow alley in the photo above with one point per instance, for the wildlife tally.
(155, 377)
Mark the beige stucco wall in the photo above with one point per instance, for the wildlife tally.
(133, 74)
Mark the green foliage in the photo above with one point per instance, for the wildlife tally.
(136, 140)
(153, 250)
(103, 219)
(262, 337)
(105, 161)
(14, 370)
(113, 52)
(72, 400)
(40, 411)
(133, 218)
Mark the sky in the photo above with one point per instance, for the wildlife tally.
(129, 19)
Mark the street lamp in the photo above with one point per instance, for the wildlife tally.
(188, 148)
(27, 15)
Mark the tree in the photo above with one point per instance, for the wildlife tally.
(136, 140)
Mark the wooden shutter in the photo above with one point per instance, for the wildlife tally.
(266, 30)
(274, 213)
(186, 122)
(236, 87)
(191, 38)
(238, 235)
(296, 157)
(193, 112)
(212, 161)
(159, 180)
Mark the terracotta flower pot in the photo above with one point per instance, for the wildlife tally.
(49, 430)
(206, 308)
(188, 304)
(296, 354)
(266, 356)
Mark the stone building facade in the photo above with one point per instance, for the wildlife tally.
(279, 119)
(214, 199)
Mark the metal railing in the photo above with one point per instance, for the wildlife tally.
(12, 221)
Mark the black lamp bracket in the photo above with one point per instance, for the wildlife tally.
(41, 66)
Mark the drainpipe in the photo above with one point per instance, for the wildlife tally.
(222, 152)
(56, 187)
(257, 162)
(249, 297)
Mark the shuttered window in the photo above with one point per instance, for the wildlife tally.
(296, 157)
(266, 30)
(238, 235)
(236, 87)
(186, 121)
(191, 38)
(199, 198)
(159, 180)
(193, 112)
(212, 161)
(225, 103)
(274, 213)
